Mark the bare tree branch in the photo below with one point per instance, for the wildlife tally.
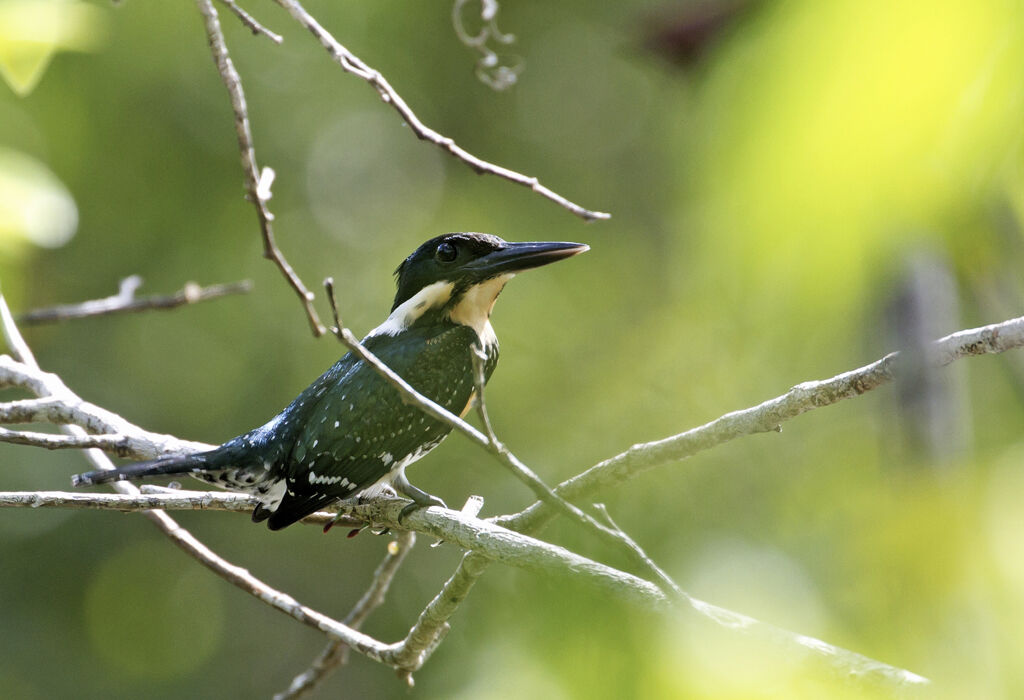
(20, 350)
(250, 22)
(351, 63)
(127, 503)
(432, 624)
(125, 301)
(38, 411)
(257, 183)
(765, 417)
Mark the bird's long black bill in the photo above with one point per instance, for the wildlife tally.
(516, 257)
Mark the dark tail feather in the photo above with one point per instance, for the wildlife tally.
(176, 464)
(291, 510)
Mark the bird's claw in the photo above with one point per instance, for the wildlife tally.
(416, 505)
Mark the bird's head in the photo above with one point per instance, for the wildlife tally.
(459, 276)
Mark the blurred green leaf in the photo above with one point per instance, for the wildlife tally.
(839, 133)
(35, 207)
(32, 31)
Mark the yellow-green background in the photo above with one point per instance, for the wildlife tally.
(768, 200)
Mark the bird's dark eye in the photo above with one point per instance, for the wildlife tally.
(446, 252)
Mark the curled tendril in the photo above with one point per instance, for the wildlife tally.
(499, 72)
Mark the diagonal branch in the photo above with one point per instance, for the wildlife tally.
(257, 183)
(125, 301)
(278, 600)
(664, 580)
(351, 63)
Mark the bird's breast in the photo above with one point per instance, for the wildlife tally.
(474, 308)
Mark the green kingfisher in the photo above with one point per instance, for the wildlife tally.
(349, 433)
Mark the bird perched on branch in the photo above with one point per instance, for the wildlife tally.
(350, 430)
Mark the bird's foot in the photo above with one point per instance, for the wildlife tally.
(420, 498)
(414, 506)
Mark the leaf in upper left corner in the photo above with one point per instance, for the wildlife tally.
(32, 31)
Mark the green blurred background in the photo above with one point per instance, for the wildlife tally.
(797, 187)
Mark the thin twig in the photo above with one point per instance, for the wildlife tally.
(479, 357)
(335, 654)
(432, 624)
(279, 600)
(250, 22)
(351, 63)
(667, 584)
(257, 183)
(125, 301)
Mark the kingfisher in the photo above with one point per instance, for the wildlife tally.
(349, 433)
